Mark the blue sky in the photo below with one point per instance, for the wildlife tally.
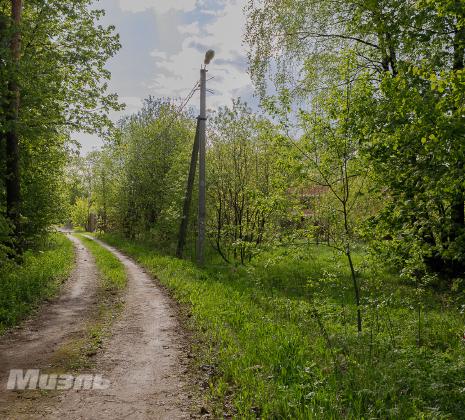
(163, 45)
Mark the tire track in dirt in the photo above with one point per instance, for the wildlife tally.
(32, 344)
(144, 359)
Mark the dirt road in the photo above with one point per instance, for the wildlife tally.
(143, 360)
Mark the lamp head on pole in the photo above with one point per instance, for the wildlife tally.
(209, 56)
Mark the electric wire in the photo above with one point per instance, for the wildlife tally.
(178, 111)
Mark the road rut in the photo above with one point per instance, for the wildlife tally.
(144, 358)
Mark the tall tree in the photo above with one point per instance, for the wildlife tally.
(457, 206)
(56, 59)
(12, 178)
(412, 125)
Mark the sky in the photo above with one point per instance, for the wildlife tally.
(163, 46)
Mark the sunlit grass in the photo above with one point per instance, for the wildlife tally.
(39, 277)
(113, 275)
(281, 336)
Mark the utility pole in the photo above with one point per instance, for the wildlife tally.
(202, 149)
(188, 196)
(202, 183)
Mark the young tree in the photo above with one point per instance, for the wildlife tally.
(139, 177)
(330, 145)
(246, 188)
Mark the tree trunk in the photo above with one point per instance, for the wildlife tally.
(356, 289)
(12, 181)
(457, 207)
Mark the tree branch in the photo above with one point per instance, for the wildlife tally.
(318, 35)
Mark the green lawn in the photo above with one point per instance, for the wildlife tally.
(281, 337)
(23, 287)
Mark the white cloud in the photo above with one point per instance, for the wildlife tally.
(178, 72)
(159, 6)
(227, 30)
(184, 30)
(191, 29)
(133, 103)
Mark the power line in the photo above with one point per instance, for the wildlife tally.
(181, 107)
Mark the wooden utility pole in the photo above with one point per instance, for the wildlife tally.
(13, 192)
(188, 196)
(202, 182)
(199, 149)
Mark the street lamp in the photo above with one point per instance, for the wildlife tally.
(202, 142)
(209, 56)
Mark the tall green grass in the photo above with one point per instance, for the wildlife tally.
(113, 275)
(279, 337)
(23, 287)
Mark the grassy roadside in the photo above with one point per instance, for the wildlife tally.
(278, 338)
(77, 353)
(113, 274)
(23, 287)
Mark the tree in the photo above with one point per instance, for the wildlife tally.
(417, 145)
(331, 145)
(412, 54)
(12, 181)
(80, 213)
(247, 191)
(138, 178)
(63, 86)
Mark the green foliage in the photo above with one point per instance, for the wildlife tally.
(111, 268)
(63, 86)
(61, 74)
(282, 342)
(43, 163)
(155, 146)
(136, 183)
(5, 245)
(80, 212)
(407, 107)
(416, 162)
(247, 187)
(330, 160)
(39, 277)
